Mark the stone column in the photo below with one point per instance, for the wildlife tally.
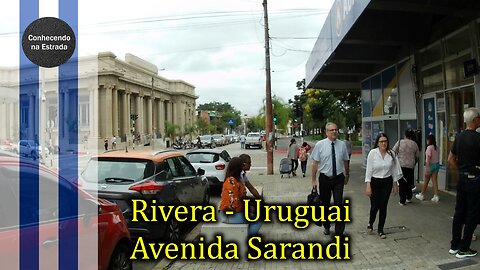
(126, 114)
(141, 118)
(115, 112)
(149, 117)
(168, 104)
(161, 117)
(107, 123)
(31, 116)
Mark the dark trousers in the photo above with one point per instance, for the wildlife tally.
(467, 211)
(303, 165)
(405, 187)
(327, 187)
(294, 165)
(381, 189)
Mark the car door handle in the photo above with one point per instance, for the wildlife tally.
(50, 242)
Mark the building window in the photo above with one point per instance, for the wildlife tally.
(83, 112)
(366, 99)
(431, 68)
(390, 91)
(377, 99)
(457, 51)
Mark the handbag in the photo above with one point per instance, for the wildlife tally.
(313, 199)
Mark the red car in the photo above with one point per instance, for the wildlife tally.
(103, 237)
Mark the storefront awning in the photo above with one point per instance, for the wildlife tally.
(362, 37)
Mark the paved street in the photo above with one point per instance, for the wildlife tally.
(418, 234)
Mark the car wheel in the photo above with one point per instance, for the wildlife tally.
(173, 231)
(120, 259)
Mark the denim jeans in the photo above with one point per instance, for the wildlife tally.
(239, 218)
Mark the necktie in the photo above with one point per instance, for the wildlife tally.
(334, 161)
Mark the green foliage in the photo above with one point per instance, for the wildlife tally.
(322, 106)
(281, 109)
(170, 130)
(256, 123)
(224, 112)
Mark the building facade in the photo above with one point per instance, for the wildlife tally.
(415, 63)
(116, 97)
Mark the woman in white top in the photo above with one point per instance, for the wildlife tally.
(382, 170)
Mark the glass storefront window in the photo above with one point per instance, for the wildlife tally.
(457, 101)
(366, 99)
(432, 78)
(390, 91)
(431, 55)
(377, 100)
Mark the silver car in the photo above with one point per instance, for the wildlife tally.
(213, 161)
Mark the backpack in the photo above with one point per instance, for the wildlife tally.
(302, 154)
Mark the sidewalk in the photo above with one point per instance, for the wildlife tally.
(418, 234)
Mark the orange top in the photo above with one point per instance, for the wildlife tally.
(233, 193)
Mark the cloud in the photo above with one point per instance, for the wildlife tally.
(216, 45)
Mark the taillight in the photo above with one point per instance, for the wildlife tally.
(148, 187)
(220, 166)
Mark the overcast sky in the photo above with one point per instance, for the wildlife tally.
(216, 45)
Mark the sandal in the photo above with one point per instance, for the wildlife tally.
(382, 235)
(369, 229)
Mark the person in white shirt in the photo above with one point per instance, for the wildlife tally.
(331, 164)
(382, 175)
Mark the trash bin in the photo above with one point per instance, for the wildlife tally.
(167, 143)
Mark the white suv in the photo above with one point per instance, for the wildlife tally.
(213, 161)
(253, 139)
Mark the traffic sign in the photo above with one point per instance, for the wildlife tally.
(231, 122)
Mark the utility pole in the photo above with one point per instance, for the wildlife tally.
(268, 96)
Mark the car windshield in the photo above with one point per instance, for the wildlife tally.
(206, 137)
(203, 157)
(253, 135)
(217, 136)
(111, 169)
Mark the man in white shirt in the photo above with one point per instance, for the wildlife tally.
(331, 165)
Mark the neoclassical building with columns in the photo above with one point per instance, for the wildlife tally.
(110, 91)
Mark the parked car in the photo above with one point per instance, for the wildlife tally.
(29, 148)
(164, 176)
(218, 139)
(253, 139)
(207, 141)
(213, 161)
(99, 222)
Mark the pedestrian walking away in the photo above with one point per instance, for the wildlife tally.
(242, 141)
(381, 177)
(431, 169)
(232, 196)
(330, 163)
(407, 152)
(303, 156)
(465, 157)
(293, 155)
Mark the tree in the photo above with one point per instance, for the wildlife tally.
(170, 130)
(224, 113)
(281, 110)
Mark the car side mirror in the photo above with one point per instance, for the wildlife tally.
(200, 171)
